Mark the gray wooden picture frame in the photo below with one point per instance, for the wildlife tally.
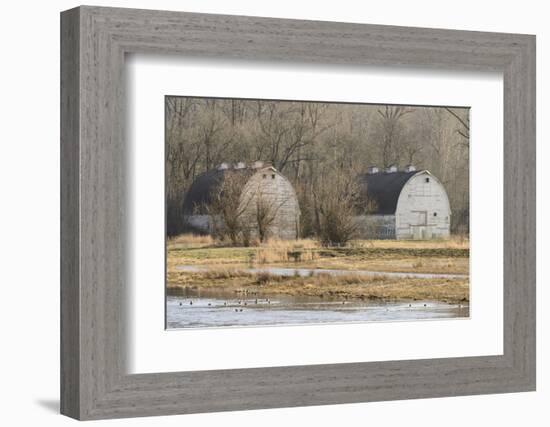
(94, 269)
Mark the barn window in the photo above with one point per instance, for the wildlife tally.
(427, 179)
(273, 176)
(435, 213)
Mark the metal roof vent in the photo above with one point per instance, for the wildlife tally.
(258, 164)
(410, 168)
(372, 170)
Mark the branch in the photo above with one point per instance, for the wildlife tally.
(456, 116)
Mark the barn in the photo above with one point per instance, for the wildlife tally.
(404, 204)
(259, 189)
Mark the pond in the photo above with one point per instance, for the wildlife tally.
(215, 308)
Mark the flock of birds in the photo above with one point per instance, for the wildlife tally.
(268, 301)
(239, 302)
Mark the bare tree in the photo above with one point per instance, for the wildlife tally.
(227, 208)
(266, 210)
(463, 121)
(336, 198)
(183, 154)
(216, 135)
(266, 213)
(391, 123)
(286, 130)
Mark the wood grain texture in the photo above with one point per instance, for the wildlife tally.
(70, 263)
(94, 201)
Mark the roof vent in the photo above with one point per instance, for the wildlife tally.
(372, 170)
(258, 164)
(391, 169)
(240, 165)
(410, 168)
(223, 166)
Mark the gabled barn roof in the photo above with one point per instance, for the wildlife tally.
(384, 188)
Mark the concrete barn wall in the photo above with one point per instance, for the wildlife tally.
(423, 210)
(273, 189)
(375, 226)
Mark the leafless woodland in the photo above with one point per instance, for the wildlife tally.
(319, 147)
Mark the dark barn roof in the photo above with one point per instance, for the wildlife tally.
(205, 185)
(384, 188)
(198, 194)
(208, 182)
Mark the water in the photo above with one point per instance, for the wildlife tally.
(194, 309)
(305, 272)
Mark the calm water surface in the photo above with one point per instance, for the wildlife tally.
(305, 272)
(194, 309)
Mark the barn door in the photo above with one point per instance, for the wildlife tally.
(419, 224)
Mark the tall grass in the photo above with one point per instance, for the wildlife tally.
(190, 239)
(275, 251)
(454, 242)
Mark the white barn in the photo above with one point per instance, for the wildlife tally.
(407, 204)
(261, 183)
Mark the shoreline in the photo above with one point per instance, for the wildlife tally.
(322, 286)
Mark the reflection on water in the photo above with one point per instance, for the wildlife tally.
(193, 309)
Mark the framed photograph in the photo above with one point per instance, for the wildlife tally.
(274, 217)
(261, 213)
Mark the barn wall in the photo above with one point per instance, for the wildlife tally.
(423, 210)
(375, 226)
(279, 194)
(199, 223)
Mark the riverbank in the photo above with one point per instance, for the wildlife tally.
(349, 286)
(239, 269)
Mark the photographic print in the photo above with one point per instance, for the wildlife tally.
(296, 212)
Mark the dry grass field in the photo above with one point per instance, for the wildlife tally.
(226, 268)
